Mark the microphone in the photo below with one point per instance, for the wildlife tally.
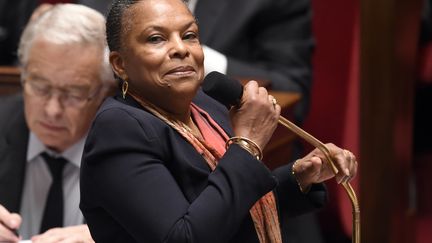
(223, 89)
(229, 93)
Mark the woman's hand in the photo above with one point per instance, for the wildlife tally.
(257, 116)
(313, 168)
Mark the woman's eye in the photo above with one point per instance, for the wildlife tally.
(155, 39)
(190, 36)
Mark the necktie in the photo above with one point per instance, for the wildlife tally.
(53, 212)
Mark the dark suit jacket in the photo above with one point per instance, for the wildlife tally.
(270, 40)
(13, 18)
(13, 151)
(141, 181)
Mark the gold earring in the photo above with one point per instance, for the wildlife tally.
(125, 87)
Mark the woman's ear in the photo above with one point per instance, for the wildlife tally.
(117, 64)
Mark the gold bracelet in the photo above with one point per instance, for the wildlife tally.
(303, 190)
(247, 145)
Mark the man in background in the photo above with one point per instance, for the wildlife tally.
(65, 76)
(264, 40)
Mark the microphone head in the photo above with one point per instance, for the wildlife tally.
(223, 89)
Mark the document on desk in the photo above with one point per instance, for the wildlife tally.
(25, 241)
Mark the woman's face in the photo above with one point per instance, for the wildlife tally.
(161, 56)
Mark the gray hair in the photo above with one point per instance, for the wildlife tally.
(68, 24)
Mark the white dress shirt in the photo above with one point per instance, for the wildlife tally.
(37, 182)
(213, 60)
(192, 4)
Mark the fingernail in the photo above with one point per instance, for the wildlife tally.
(347, 172)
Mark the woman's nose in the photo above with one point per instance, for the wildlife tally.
(179, 48)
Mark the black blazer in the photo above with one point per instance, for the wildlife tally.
(269, 40)
(13, 151)
(142, 182)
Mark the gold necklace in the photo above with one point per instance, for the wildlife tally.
(194, 129)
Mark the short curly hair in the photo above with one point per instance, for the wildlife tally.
(116, 25)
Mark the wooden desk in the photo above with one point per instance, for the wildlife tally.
(277, 152)
(9, 80)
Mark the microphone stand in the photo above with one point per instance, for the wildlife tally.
(347, 186)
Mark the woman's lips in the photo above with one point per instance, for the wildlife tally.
(182, 70)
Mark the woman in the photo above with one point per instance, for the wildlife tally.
(163, 162)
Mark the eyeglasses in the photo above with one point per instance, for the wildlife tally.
(70, 97)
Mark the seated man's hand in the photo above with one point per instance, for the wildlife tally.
(72, 234)
(313, 168)
(8, 223)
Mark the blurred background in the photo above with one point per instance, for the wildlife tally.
(371, 93)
